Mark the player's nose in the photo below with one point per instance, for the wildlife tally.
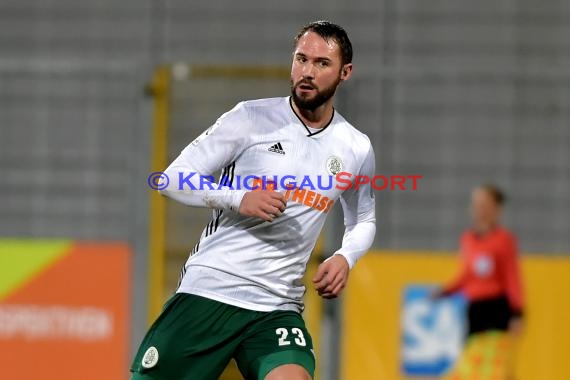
(308, 72)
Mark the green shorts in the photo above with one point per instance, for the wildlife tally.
(195, 338)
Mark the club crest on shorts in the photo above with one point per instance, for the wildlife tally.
(334, 165)
(150, 358)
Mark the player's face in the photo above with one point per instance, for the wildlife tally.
(484, 209)
(316, 72)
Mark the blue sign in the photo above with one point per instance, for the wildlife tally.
(432, 331)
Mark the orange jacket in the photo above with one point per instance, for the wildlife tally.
(490, 268)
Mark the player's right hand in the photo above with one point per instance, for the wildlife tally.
(263, 204)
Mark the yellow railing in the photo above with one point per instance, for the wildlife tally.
(160, 90)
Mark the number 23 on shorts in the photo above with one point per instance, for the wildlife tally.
(285, 339)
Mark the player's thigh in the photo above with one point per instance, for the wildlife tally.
(278, 342)
(288, 372)
(187, 341)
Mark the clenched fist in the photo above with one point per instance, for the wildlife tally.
(263, 204)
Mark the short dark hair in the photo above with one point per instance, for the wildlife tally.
(495, 192)
(329, 31)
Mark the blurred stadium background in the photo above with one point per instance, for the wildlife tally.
(96, 95)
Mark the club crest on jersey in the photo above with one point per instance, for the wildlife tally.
(150, 357)
(334, 165)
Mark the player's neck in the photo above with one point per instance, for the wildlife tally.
(317, 118)
(484, 228)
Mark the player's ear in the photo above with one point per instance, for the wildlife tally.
(346, 72)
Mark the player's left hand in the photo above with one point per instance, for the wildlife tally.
(331, 276)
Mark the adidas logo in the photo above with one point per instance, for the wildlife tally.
(276, 148)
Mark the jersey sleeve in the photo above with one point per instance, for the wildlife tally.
(511, 276)
(189, 176)
(359, 210)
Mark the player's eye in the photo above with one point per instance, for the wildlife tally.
(301, 59)
(324, 63)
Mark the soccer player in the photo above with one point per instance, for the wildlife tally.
(240, 293)
(490, 280)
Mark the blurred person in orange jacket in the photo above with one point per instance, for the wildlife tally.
(490, 280)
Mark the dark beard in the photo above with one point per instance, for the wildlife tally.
(311, 104)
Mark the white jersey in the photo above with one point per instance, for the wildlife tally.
(258, 265)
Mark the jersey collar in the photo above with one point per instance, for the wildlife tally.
(309, 133)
